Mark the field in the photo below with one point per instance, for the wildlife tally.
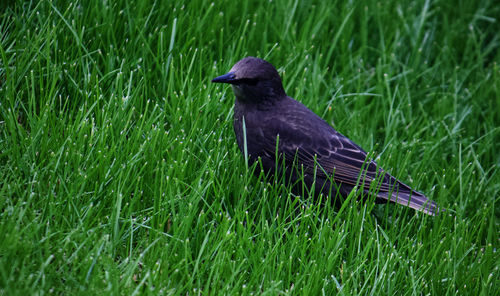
(120, 173)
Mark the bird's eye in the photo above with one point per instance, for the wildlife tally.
(249, 81)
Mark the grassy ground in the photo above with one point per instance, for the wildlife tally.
(120, 174)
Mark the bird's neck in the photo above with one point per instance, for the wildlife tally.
(260, 103)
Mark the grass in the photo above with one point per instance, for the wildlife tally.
(120, 172)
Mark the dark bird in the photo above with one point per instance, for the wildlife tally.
(310, 151)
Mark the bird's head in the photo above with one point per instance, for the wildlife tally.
(254, 80)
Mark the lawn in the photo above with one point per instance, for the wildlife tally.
(120, 173)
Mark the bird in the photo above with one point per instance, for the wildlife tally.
(285, 137)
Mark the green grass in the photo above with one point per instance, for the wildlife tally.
(120, 174)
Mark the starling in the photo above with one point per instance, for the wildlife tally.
(285, 136)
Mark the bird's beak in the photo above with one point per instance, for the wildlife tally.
(226, 78)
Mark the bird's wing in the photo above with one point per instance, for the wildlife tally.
(317, 146)
(335, 156)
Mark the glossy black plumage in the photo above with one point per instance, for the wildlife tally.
(266, 120)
